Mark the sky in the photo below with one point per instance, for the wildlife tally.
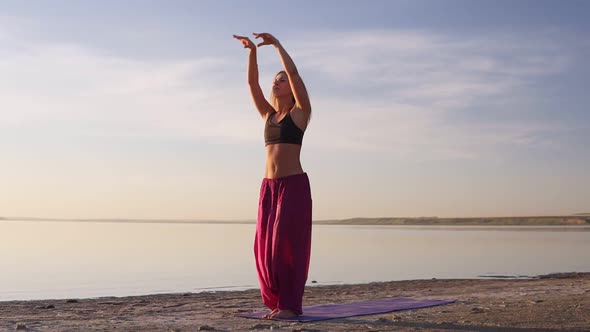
(140, 109)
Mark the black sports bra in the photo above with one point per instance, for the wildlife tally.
(286, 131)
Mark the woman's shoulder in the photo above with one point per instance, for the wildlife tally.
(299, 117)
(299, 111)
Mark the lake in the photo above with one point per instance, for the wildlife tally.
(54, 260)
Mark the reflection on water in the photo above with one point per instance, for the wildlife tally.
(89, 259)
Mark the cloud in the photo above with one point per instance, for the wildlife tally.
(70, 88)
(403, 92)
(428, 94)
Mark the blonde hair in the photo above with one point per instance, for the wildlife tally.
(274, 101)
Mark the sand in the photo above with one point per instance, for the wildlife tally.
(559, 302)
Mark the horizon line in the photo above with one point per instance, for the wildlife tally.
(234, 221)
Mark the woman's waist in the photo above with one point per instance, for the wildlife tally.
(282, 168)
(282, 160)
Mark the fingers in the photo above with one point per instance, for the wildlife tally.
(244, 40)
(267, 39)
(241, 37)
(260, 35)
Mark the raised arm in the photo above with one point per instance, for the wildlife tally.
(262, 105)
(297, 86)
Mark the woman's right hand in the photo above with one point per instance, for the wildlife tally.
(246, 42)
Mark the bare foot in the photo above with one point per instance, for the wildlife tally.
(283, 314)
(270, 314)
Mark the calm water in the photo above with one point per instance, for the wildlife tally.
(40, 260)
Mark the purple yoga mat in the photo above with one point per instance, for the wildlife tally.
(372, 307)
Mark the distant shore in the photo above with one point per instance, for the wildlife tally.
(486, 221)
(559, 302)
(582, 219)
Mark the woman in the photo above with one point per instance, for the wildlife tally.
(283, 229)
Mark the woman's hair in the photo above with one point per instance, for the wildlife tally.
(273, 99)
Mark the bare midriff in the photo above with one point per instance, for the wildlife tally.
(282, 160)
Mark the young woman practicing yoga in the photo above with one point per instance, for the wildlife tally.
(283, 230)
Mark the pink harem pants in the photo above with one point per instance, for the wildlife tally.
(282, 246)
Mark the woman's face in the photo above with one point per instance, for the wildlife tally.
(281, 86)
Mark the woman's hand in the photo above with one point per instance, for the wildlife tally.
(267, 39)
(246, 42)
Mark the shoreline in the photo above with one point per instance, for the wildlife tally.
(579, 220)
(310, 284)
(552, 302)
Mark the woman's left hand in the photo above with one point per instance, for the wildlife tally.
(267, 39)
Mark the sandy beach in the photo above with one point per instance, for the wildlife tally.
(559, 302)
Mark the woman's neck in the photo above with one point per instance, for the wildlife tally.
(285, 104)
